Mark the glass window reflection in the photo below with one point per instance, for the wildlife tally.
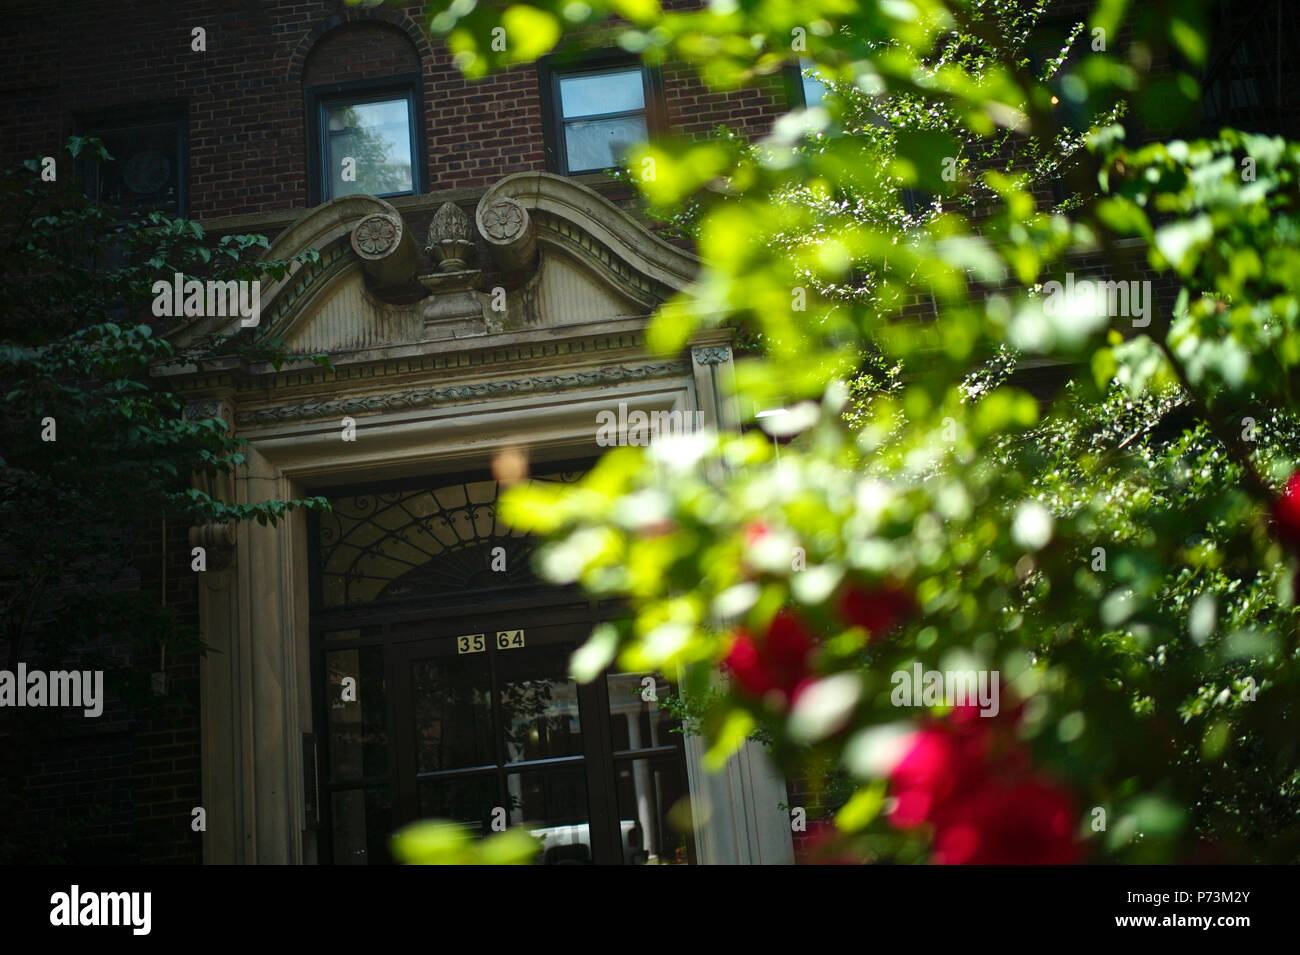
(539, 703)
(552, 805)
(637, 718)
(651, 795)
(358, 734)
(453, 713)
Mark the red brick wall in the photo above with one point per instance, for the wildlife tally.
(246, 108)
(119, 789)
(165, 776)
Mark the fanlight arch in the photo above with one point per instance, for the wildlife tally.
(392, 545)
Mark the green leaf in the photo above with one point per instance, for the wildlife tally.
(862, 808)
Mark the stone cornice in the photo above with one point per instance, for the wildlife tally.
(628, 269)
(424, 397)
(618, 342)
(584, 222)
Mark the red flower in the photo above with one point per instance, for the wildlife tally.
(938, 765)
(1030, 822)
(1286, 513)
(876, 609)
(755, 531)
(972, 781)
(778, 664)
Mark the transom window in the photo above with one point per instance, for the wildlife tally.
(597, 114)
(366, 141)
(432, 541)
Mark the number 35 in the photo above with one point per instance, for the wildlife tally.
(471, 643)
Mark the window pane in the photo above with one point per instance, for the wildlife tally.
(428, 542)
(552, 805)
(637, 721)
(378, 137)
(599, 144)
(814, 90)
(363, 822)
(453, 713)
(466, 799)
(648, 791)
(145, 172)
(358, 736)
(595, 94)
(539, 703)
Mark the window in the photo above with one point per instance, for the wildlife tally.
(813, 89)
(597, 112)
(365, 139)
(147, 171)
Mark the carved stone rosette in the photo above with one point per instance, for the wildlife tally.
(376, 235)
(386, 249)
(508, 229)
(451, 238)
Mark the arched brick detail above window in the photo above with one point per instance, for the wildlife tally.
(360, 51)
(352, 44)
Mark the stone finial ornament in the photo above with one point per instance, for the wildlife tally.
(451, 238)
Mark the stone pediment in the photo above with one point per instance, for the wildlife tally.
(540, 253)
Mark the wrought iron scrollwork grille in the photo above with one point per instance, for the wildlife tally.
(383, 546)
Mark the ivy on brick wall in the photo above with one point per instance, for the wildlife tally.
(95, 452)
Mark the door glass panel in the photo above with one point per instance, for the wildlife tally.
(552, 805)
(466, 799)
(637, 720)
(453, 712)
(539, 703)
(362, 824)
(358, 736)
(648, 791)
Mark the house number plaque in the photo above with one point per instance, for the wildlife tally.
(471, 643)
(510, 639)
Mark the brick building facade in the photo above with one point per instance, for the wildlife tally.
(241, 125)
(230, 108)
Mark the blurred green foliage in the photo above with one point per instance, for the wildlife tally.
(446, 843)
(1100, 539)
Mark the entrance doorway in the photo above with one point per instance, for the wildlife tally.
(469, 715)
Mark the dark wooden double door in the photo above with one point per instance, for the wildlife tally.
(476, 720)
